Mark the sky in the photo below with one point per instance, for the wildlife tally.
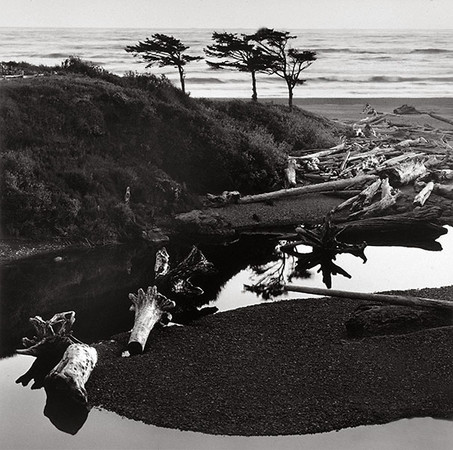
(292, 14)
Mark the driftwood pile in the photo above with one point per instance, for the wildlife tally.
(424, 158)
(377, 157)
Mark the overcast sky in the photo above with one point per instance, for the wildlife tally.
(211, 14)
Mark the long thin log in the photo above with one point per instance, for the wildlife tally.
(319, 154)
(380, 298)
(329, 185)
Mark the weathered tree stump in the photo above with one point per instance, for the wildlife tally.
(62, 362)
(150, 308)
(48, 353)
(290, 173)
(404, 173)
(375, 320)
(73, 371)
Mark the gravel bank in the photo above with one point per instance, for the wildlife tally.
(279, 368)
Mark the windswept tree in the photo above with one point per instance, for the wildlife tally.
(163, 50)
(288, 63)
(238, 52)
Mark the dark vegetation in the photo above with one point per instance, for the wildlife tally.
(75, 138)
(163, 50)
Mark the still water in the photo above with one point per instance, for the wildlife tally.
(95, 284)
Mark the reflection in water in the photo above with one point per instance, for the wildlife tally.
(27, 428)
(65, 412)
(96, 283)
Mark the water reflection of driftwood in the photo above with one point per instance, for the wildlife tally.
(326, 246)
(64, 412)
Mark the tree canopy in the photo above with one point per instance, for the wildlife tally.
(238, 52)
(164, 50)
(285, 62)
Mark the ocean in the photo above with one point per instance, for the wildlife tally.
(350, 63)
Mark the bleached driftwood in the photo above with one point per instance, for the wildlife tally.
(389, 197)
(411, 142)
(405, 173)
(379, 298)
(225, 198)
(62, 362)
(331, 151)
(162, 264)
(322, 187)
(423, 195)
(290, 172)
(364, 198)
(149, 308)
(73, 371)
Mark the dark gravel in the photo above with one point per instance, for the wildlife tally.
(279, 368)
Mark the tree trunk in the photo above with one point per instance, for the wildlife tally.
(290, 96)
(254, 93)
(328, 186)
(149, 309)
(379, 298)
(181, 78)
(375, 320)
(73, 371)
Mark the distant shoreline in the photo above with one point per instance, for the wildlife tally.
(350, 108)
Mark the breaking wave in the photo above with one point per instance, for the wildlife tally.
(383, 79)
(431, 50)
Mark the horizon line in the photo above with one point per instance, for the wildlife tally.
(225, 28)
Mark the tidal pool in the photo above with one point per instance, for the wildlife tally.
(95, 284)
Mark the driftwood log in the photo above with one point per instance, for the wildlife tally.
(377, 298)
(364, 198)
(405, 173)
(62, 363)
(372, 320)
(408, 230)
(322, 187)
(290, 173)
(72, 372)
(388, 200)
(444, 190)
(421, 198)
(150, 308)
